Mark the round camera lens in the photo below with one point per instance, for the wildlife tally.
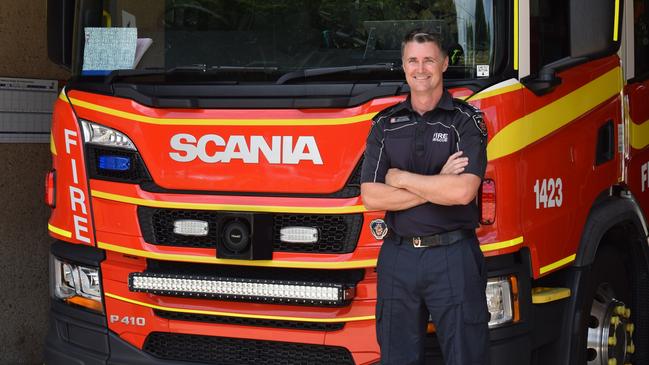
(236, 236)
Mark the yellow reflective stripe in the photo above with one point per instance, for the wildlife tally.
(541, 295)
(495, 92)
(639, 134)
(261, 263)
(616, 21)
(220, 122)
(59, 231)
(52, 145)
(108, 18)
(273, 263)
(242, 315)
(515, 34)
(500, 245)
(548, 119)
(235, 207)
(558, 264)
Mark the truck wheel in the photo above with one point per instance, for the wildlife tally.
(609, 327)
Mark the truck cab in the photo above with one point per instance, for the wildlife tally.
(205, 183)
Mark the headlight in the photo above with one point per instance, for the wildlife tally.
(501, 300)
(76, 284)
(98, 134)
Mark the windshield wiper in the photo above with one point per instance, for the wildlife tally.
(189, 69)
(313, 72)
(244, 68)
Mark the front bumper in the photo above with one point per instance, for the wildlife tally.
(78, 337)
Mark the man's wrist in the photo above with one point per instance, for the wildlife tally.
(404, 181)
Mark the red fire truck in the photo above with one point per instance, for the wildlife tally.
(205, 180)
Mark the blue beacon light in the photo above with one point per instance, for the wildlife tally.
(114, 163)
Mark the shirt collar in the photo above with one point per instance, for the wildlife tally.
(445, 102)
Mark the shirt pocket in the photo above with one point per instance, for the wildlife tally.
(399, 151)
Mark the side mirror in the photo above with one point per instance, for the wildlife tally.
(595, 31)
(60, 24)
(547, 78)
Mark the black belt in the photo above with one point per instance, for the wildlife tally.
(440, 239)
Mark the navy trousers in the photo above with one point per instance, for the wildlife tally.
(447, 282)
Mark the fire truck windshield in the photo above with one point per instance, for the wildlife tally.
(274, 37)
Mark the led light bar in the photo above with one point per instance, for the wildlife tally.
(191, 227)
(298, 234)
(254, 290)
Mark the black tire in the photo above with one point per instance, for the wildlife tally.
(605, 288)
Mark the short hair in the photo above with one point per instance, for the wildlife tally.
(422, 36)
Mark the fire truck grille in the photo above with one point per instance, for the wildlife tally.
(336, 233)
(234, 351)
(158, 227)
(191, 317)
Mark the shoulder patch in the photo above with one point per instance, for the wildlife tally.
(474, 113)
(480, 124)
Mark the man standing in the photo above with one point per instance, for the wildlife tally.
(424, 163)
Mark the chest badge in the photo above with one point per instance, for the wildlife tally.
(440, 137)
(378, 228)
(401, 119)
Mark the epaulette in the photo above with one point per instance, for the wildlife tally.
(389, 114)
(474, 112)
(469, 108)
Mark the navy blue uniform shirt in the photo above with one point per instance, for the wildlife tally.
(421, 144)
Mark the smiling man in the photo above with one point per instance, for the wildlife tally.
(424, 162)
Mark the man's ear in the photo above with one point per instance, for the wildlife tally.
(445, 63)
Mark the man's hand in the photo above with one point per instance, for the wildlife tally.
(395, 177)
(450, 187)
(378, 196)
(455, 164)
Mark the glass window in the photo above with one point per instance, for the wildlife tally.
(549, 32)
(289, 35)
(641, 33)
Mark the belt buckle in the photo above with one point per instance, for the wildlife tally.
(416, 241)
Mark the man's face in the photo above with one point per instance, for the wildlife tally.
(424, 64)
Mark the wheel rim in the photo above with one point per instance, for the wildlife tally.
(610, 330)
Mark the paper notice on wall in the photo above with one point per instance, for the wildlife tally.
(108, 49)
